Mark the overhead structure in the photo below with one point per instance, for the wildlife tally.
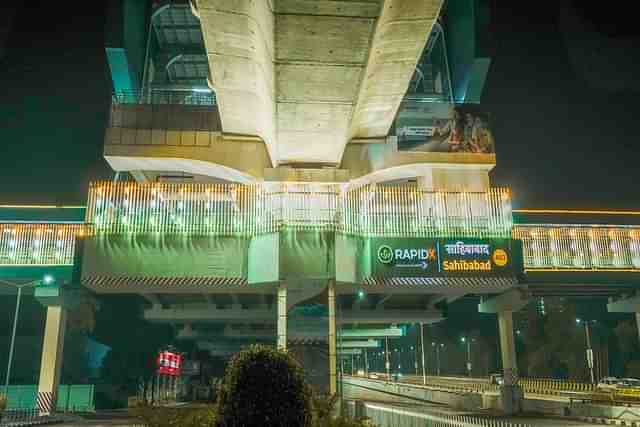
(308, 77)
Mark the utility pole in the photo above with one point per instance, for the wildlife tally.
(386, 351)
(589, 349)
(587, 332)
(424, 372)
(437, 346)
(468, 343)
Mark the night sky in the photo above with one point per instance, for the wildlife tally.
(561, 90)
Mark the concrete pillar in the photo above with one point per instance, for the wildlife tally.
(52, 355)
(510, 392)
(282, 317)
(504, 305)
(333, 379)
(508, 347)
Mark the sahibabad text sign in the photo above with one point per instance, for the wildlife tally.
(398, 257)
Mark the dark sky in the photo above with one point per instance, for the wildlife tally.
(561, 91)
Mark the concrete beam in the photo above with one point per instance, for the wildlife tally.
(625, 305)
(240, 41)
(389, 316)
(400, 36)
(349, 352)
(512, 300)
(183, 315)
(371, 333)
(266, 315)
(359, 344)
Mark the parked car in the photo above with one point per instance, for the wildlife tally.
(629, 383)
(608, 384)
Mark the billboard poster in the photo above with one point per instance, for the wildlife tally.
(443, 128)
(169, 363)
(397, 257)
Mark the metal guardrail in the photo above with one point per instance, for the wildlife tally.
(529, 385)
(32, 244)
(385, 416)
(554, 387)
(579, 247)
(25, 417)
(165, 97)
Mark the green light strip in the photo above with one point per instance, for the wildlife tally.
(230, 209)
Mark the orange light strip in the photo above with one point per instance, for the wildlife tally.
(586, 270)
(578, 212)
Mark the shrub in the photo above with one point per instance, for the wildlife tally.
(157, 416)
(324, 414)
(263, 386)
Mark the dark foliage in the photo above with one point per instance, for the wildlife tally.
(263, 386)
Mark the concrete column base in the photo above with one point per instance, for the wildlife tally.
(511, 399)
(51, 363)
(282, 318)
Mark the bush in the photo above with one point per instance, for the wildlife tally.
(3, 403)
(263, 386)
(157, 416)
(324, 410)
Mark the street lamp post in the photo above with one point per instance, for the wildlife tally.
(415, 359)
(468, 342)
(589, 350)
(386, 351)
(424, 373)
(47, 280)
(437, 346)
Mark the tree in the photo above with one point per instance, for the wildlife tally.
(263, 386)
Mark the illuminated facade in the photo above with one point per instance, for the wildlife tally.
(288, 173)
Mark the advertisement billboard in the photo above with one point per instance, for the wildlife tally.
(444, 128)
(398, 257)
(169, 363)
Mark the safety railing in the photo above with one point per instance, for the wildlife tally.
(579, 247)
(554, 387)
(38, 244)
(233, 209)
(382, 415)
(165, 97)
(410, 211)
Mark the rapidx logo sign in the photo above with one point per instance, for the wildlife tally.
(406, 257)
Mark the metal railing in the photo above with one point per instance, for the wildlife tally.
(165, 97)
(36, 244)
(410, 211)
(579, 247)
(234, 209)
(383, 416)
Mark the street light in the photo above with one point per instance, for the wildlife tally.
(437, 347)
(589, 350)
(468, 342)
(47, 280)
(424, 372)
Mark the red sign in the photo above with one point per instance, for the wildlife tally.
(169, 363)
